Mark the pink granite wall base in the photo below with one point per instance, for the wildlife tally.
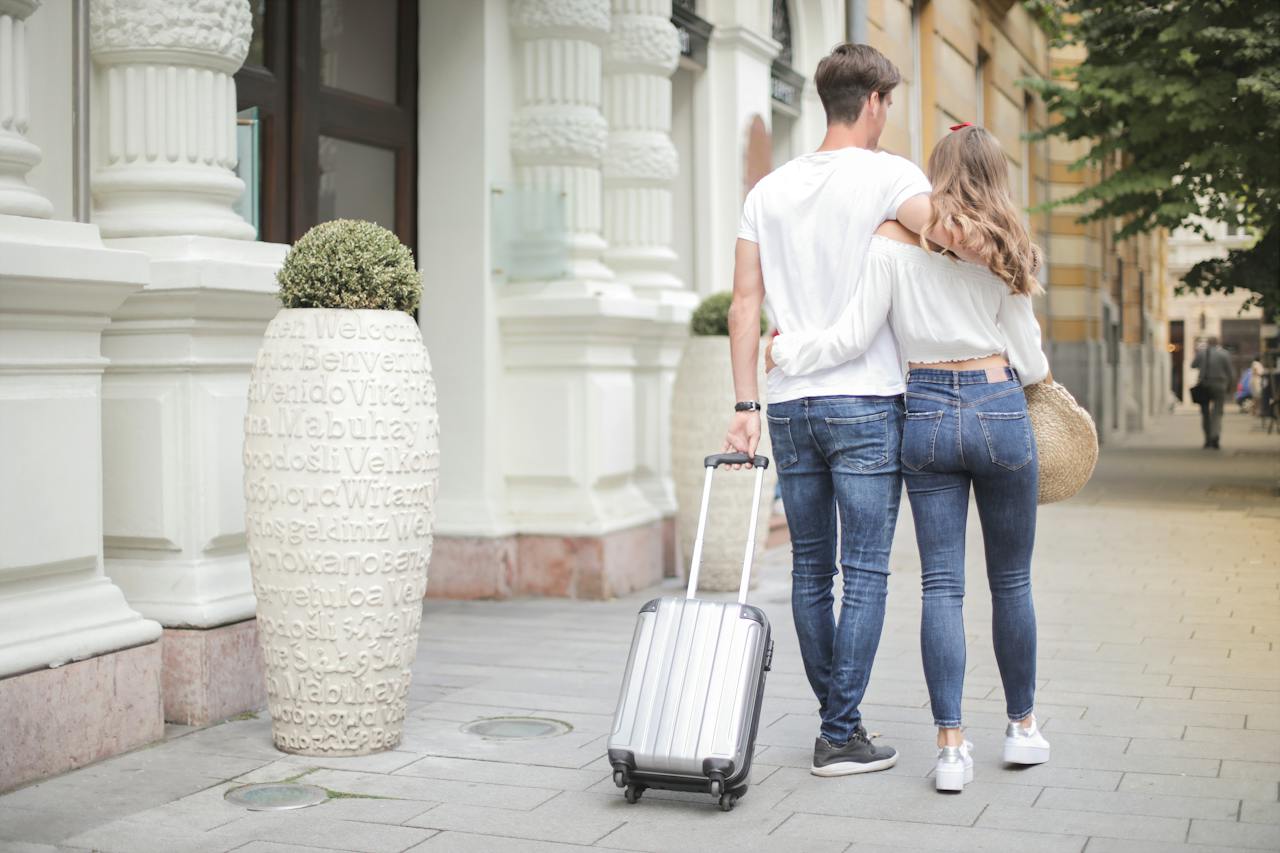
(58, 719)
(465, 567)
(588, 567)
(212, 674)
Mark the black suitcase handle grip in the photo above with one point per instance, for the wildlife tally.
(717, 459)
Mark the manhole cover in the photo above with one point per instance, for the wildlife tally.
(276, 796)
(517, 727)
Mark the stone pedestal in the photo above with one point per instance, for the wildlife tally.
(79, 713)
(212, 674)
(175, 393)
(174, 399)
(58, 287)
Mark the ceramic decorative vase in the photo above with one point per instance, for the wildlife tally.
(702, 405)
(341, 457)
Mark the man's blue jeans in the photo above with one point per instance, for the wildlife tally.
(839, 454)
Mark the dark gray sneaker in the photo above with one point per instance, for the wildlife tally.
(859, 755)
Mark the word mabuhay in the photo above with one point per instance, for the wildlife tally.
(301, 423)
(324, 389)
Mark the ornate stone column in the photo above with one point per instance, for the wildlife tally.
(166, 140)
(567, 388)
(79, 668)
(176, 388)
(558, 134)
(640, 165)
(640, 160)
(17, 153)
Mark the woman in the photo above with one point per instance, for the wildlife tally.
(966, 421)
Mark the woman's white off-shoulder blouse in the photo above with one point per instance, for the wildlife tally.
(940, 309)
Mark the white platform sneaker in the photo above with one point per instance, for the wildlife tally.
(1025, 745)
(954, 769)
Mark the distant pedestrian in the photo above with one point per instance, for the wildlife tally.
(1217, 377)
(1257, 372)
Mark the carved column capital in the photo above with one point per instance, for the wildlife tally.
(585, 19)
(209, 33)
(643, 42)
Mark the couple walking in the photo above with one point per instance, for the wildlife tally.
(824, 245)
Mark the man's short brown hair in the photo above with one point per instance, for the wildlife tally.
(848, 75)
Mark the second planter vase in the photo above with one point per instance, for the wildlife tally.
(702, 404)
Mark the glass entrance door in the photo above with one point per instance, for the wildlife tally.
(335, 84)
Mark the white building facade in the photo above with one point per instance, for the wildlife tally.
(570, 175)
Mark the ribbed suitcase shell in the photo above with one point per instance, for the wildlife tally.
(692, 693)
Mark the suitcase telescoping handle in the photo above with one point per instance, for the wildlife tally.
(712, 463)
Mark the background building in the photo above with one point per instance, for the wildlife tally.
(570, 175)
(1195, 317)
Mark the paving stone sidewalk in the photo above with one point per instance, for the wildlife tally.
(1158, 593)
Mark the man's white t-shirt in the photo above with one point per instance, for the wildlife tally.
(813, 219)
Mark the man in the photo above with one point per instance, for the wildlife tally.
(1218, 376)
(805, 232)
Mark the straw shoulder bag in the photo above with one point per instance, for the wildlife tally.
(1066, 439)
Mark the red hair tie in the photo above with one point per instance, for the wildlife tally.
(956, 127)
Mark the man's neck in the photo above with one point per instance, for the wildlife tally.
(840, 136)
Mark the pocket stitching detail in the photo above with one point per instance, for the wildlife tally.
(987, 417)
(933, 438)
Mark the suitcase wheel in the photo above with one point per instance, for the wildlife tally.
(728, 801)
(633, 793)
(620, 778)
(717, 788)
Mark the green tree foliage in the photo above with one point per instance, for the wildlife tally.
(1179, 102)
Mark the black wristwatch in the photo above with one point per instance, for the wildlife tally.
(748, 406)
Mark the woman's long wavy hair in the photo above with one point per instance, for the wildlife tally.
(970, 178)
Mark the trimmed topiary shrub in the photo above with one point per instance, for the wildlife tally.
(712, 316)
(349, 263)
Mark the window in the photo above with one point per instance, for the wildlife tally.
(335, 85)
(785, 87)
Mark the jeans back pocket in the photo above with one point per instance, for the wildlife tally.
(784, 449)
(920, 439)
(1008, 436)
(862, 441)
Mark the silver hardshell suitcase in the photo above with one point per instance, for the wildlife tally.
(690, 702)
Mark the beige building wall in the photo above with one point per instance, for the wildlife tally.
(1104, 309)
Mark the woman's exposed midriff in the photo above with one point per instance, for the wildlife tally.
(970, 364)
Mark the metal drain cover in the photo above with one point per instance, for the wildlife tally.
(517, 728)
(276, 796)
